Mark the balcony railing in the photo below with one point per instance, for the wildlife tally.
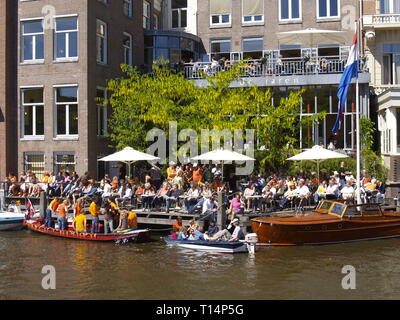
(261, 68)
(382, 20)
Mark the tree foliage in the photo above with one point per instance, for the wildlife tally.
(141, 102)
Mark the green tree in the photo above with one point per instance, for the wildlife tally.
(143, 101)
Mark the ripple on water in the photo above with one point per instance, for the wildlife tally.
(156, 271)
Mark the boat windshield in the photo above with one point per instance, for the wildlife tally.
(332, 207)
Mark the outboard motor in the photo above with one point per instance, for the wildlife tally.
(251, 242)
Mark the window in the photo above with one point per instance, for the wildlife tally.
(391, 64)
(64, 162)
(102, 128)
(127, 6)
(146, 15)
(32, 41)
(289, 10)
(220, 12)
(127, 45)
(221, 48)
(66, 111)
(33, 112)
(66, 38)
(253, 48)
(328, 8)
(101, 42)
(179, 13)
(253, 11)
(390, 6)
(35, 162)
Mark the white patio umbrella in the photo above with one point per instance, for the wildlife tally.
(222, 155)
(129, 156)
(311, 37)
(317, 154)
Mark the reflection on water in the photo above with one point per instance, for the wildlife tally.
(156, 271)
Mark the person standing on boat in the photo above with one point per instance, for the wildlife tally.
(62, 215)
(111, 210)
(52, 208)
(94, 210)
(80, 222)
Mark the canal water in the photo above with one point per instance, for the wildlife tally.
(154, 271)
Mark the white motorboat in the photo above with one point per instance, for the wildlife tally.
(12, 219)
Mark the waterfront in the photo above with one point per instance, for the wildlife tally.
(154, 271)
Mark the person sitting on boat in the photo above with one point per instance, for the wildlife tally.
(195, 235)
(232, 233)
(123, 221)
(94, 210)
(182, 235)
(80, 222)
(62, 215)
(212, 230)
(177, 223)
(174, 234)
(51, 209)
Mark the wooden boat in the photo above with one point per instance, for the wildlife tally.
(214, 246)
(130, 235)
(12, 219)
(331, 222)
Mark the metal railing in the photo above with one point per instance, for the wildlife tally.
(265, 68)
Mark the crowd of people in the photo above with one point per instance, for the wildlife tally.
(194, 189)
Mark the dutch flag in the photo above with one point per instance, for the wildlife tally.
(350, 72)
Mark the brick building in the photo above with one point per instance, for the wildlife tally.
(8, 88)
(67, 52)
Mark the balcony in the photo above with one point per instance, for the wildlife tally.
(291, 72)
(382, 21)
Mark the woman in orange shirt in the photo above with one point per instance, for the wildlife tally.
(62, 215)
(78, 207)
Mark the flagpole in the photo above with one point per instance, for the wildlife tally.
(358, 185)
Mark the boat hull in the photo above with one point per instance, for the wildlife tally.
(209, 246)
(130, 236)
(11, 224)
(272, 232)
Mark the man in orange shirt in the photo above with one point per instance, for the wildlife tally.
(94, 210)
(62, 215)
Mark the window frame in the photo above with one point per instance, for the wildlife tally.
(34, 135)
(290, 13)
(67, 32)
(67, 135)
(34, 35)
(328, 10)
